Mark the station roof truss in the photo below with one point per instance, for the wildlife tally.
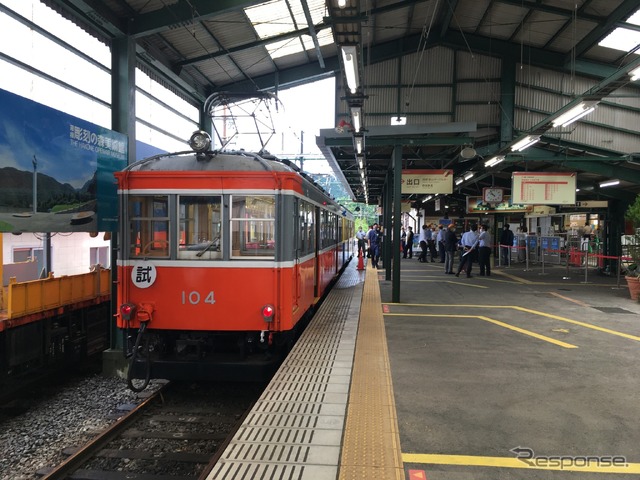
(470, 78)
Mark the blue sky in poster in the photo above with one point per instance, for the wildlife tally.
(66, 147)
(70, 150)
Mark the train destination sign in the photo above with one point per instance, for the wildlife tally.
(427, 181)
(543, 188)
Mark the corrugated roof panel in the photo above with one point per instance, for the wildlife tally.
(382, 100)
(220, 70)
(478, 91)
(488, 114)
(468, 14)
(182, 39)
(427, 99)
(552, 80)
(570, 37)
(432, 66)
(383, 73)
(471, 67)
(502, 20)
(270, 18)
(255, 61)
(524, 119)
(146, 6)
(539, 28)
(601, 8)
(390, 26)
(291, 60)
(231, 29)
(422, 14)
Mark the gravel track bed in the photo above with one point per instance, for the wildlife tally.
(66, 417)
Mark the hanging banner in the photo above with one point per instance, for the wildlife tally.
(56, 170)
(544, 188)
(427, 181)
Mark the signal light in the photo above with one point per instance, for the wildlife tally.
(127, 310)
(268, 312)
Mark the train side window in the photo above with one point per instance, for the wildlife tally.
(148, 225)
(200, 227)
(253, 226)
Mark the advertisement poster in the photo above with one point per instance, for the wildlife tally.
(56, 170)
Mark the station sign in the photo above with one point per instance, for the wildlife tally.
(592, 204)
(427, 181)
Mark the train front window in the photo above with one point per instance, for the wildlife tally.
(253, 226)
(148, 225)
(200, 234)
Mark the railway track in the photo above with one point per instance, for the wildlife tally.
(173, 434)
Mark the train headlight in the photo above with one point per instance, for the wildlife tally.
(200, 141)
(268, 312)
(127, 310)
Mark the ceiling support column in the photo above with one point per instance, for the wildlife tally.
(397, 217)
(507, 101)
(123, 90)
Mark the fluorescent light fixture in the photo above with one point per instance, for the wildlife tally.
(356, 116)
(398, 120)
(469, 175)
(459, 180)
(635, 74)
(426, 199)
(358, 145)
(575, 114)
(494, 161)
(609, 183)
(342, 3)
(577, 189)
(350, 58)
(360, 161)
(362, 173)
(526, 142)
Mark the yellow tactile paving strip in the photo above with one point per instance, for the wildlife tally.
(371, 443)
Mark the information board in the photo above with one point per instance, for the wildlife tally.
(543, 188)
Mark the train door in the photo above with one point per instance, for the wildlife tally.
(316, 250)
(297, 248)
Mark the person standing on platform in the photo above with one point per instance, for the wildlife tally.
(484, 251)
(440, 239)
(506, 238)
(361, 236)
(366, 238)
(450, 247)
(469, 242)
(408, 248)
(373, 239)
(403, 242)
(423, 244)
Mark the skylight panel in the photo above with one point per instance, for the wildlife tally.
(270, 19)
(624, 39)
(292, 45)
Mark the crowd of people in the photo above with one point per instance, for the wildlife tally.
(440, 243)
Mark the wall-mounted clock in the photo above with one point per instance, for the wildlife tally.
(492, 194)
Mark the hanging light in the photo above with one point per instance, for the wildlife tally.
(635, 74)
(350, 58)
(356, 116)
(575, 114)
(526, 142)
(494, 161)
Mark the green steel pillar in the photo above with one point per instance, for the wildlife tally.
(397, 214)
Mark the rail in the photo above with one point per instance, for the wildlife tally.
(19, 299)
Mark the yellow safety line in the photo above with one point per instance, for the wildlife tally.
(512, 277)
(460, 282)
(570, 299)
(553, 463)
(491, 320)
(528, 310)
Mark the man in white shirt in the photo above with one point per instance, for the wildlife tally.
(469, 242)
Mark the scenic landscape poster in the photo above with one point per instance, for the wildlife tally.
(56, 170)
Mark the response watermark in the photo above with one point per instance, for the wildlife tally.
(568, 462)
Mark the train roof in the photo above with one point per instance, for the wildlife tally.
(211, 161)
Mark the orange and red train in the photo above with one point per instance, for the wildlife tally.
(221, 257)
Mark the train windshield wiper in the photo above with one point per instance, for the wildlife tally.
(212, 243)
